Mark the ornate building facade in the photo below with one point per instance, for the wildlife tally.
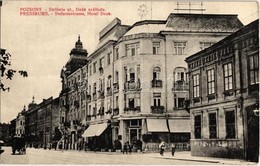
(224, 97)
(137, 86)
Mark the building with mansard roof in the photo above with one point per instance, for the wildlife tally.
(224, 96)
(137, 82)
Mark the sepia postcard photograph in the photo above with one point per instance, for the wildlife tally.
(149, 82)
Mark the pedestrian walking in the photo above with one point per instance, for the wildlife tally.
(86, 146)
(125, 147)
(173, 147)
(130, 146)
(162, 147)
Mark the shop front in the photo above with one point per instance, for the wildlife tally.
(98, 137)
(154, 132)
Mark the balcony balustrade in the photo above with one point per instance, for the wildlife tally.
(132, 109)
(101, 95)
(88, 117)
(156, 83)
(65, 90)
(94, 96)
(132, 86)
(116, 87)
(109, 91)
(116, 111)
(180, 86)
(157, 109)
(88, 98)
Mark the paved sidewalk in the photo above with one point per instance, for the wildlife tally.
(187, 157)
(181, 155)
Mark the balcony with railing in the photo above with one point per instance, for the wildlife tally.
(88, 98)
(88, 118)
(157, 109)
(180, 85)
(156, 83)
(109, 91)
(132, 86)
(101, 95)
(116, 87)
(65, 90)
(94, 96)
(132, 110)
(116, 111)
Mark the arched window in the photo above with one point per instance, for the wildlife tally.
(156, 73)
(116, 77)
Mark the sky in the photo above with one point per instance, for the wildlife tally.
(41, 44)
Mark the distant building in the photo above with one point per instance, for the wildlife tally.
(55, 119)
(31, 124)
(44, 128)
(224, 96)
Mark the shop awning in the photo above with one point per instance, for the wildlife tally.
(156, 125)
(179, 125)
(94, 130)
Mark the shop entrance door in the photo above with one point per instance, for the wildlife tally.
(253, 133)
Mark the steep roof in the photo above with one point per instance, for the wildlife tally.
(203, 22)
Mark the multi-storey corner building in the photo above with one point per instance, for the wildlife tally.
(137, 86)
(73, 96)
(224, 97)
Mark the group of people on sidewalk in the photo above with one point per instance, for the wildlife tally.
(163, 147)
(127, 148)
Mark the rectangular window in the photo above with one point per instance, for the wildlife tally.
(228, 77)
(132, 77)
(196, 85)
(179, 48)
(94, 67)
(212, 125)
(90, 69)
(108, 58)
(211, 81)
(116, 104)
(116, 54)
(179, 102)
(197, 127)
(156, 47)
(132, 49)
(131, 103)
(157, 99)
(254, 69)
(101, 62)
(230, 125)
(204, 45)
